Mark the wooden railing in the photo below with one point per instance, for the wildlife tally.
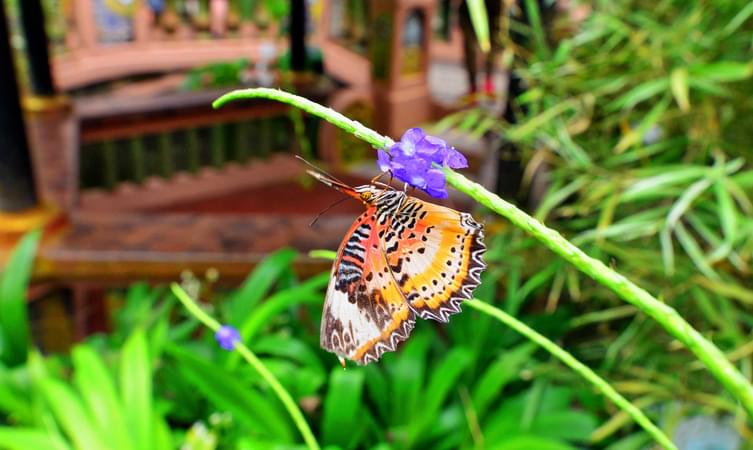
(138, 40)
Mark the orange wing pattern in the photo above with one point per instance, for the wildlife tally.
(435, 254)
(365, 314)
(401, 258)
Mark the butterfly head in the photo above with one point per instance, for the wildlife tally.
(366, 193)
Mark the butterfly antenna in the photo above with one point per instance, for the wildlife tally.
(326, 209)
(318, 169)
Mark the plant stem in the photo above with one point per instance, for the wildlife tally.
(580, 368)
(255, 362)
(330, 115)
(666, 316)
(716, 362)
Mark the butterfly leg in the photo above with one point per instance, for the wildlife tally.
(376, 178)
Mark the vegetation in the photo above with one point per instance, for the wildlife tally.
(638, 129)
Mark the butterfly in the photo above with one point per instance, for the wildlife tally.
(402, 258)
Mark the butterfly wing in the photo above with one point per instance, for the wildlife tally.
(435, 255)
(365, 314)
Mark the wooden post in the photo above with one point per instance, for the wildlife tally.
(298, 35)
(17, 190)
(35, 35)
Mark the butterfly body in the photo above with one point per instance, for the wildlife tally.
(402, 258)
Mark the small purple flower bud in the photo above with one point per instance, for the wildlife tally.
(455, 159)
(435, 183)
(410, 140)
(227, 337)
(432, 148)
(383, 160)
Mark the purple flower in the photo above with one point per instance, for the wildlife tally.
(227, 337)
(412, 160)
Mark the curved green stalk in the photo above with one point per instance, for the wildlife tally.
(581, 369)
(255, 362)
(666, 316)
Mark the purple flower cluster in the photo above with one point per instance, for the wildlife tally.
(227, 337)
(411, 160)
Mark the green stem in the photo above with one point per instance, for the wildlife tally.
(255, 362)
(330, 115)
(716, 362)
(580, 368)
(666, 316)
(561, 354)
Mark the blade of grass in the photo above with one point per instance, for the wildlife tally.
(441, 382)
(17, 438)
(480, 21)
(342, 407)
(558, 352)
(257, 284)
(71, 415)
(136, 388)
(14, 281)
(97, 390)
(253, 360)
(246, 405)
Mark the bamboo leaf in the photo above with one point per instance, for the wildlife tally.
(723, 71)
(694, 251)
(480, 21)
(680, 88)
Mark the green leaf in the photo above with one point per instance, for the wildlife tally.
(636, 441)
(539, 35)
(575, 426)
(444, 377)
(680, 88)
(343, 416)
(71, 415)
(683, 203)
(693, 250)
(14, 281)
(480, 21)
(667, 177)
(739, 19)
(97, 390)
(136, 388)
(723, 71)
(529, 442)
(248, 407)
(502, 371)
(16, 438)
(308, 292)
(727, 212)
(640, 93)
(256, 286)
(407, 376)
(162, 437)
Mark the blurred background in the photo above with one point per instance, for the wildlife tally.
(625, 125)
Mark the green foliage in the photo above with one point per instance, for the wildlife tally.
(636, 117)
(88, 410)
(14, 281)
(441, 391)
(216, 75)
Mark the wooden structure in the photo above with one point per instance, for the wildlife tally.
(148, 181)
(138, 177)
